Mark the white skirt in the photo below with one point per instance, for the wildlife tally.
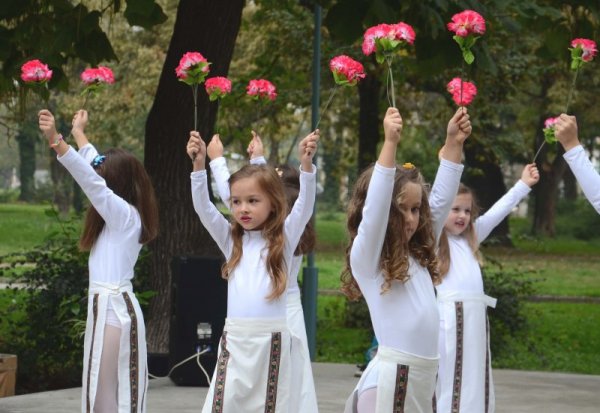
(465, 375)
(132, 369)
(303, 398)
(404, 382)
(252, 374)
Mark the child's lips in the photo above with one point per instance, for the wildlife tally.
(245, 219)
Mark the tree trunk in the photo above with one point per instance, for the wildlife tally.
(211, 28)
(570, 184)
(488, 185)
(546, 190)
(369, 91)
(27, 140)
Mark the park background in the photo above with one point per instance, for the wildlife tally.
(542, 263)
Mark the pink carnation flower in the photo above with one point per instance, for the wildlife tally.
(261, 89)
(346, 70)
(189, 61)
(469, 91)
(399, 32)
(35, 71)
(466, 23)
(588, 48)
(217, 87)
(549, 123)
(101, 74)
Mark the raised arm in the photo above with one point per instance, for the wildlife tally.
(296, 221)
(450, 170)
(485, 224)
(214, 222)
(587, 176)
(116, 212)
(366, 247)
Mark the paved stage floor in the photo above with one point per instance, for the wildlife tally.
(516, 392)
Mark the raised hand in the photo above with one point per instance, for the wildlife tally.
(80, 120)
(459, 126)
(307, 149)
(565, 130)
(255, 147)
(392, 125)
(196, 150)
(47, 124)
(530, 175)
(215, 147)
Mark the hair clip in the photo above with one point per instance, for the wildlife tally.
(408, 165)
(98, 160)
(279, 172)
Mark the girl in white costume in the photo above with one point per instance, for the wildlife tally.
(393, 227)
(122, 217)
(565, 130)
(253, 368)
(465, 378)
(303, 398)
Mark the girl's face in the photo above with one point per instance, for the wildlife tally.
(460, 215)
(410, 206)
(250, 205)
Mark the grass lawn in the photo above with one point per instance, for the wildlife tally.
(561, 336)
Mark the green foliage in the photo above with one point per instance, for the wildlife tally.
(47, 304)
(511, 288)
(578, 219)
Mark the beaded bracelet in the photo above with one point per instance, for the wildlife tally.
(57, 141)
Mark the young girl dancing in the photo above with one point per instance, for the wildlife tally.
(587, 176)
(253, 367)
(393, 227)
(464, 378)
(122, 217)
(303, 398)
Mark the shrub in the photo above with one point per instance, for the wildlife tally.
(511, 288)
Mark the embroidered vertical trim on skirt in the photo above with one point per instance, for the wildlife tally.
(487, 361)
(95, 318)
(401, 384)
(220, 374)
(458, 362)
(133, 353)
(274, 361)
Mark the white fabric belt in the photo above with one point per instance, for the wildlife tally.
(110, 289)
(389, 354)
(445, 296)
(255, 325)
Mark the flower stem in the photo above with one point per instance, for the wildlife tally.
(333, 91)
(85, 101)
(195, 94)
(462, 80)
(390, 84)
(571, 90)
(538, 151)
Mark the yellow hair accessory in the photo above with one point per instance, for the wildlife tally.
(408, 165)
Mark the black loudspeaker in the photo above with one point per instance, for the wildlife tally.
(199, 308)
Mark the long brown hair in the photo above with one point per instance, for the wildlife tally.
(127, 178)
(273, 231)
(396, 248)
(291, 184)
(468, 233)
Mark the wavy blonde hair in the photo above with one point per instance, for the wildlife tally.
(396, 248)
(273, 230)
(468, 233)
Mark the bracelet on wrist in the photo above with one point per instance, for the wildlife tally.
(57, 141)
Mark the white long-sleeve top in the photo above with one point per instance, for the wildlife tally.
(586, 175)
(221, 175)
(116, 250)
(464, 273)
(250, 283)
(406, 317)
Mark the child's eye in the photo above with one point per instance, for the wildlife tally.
(414, 210)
